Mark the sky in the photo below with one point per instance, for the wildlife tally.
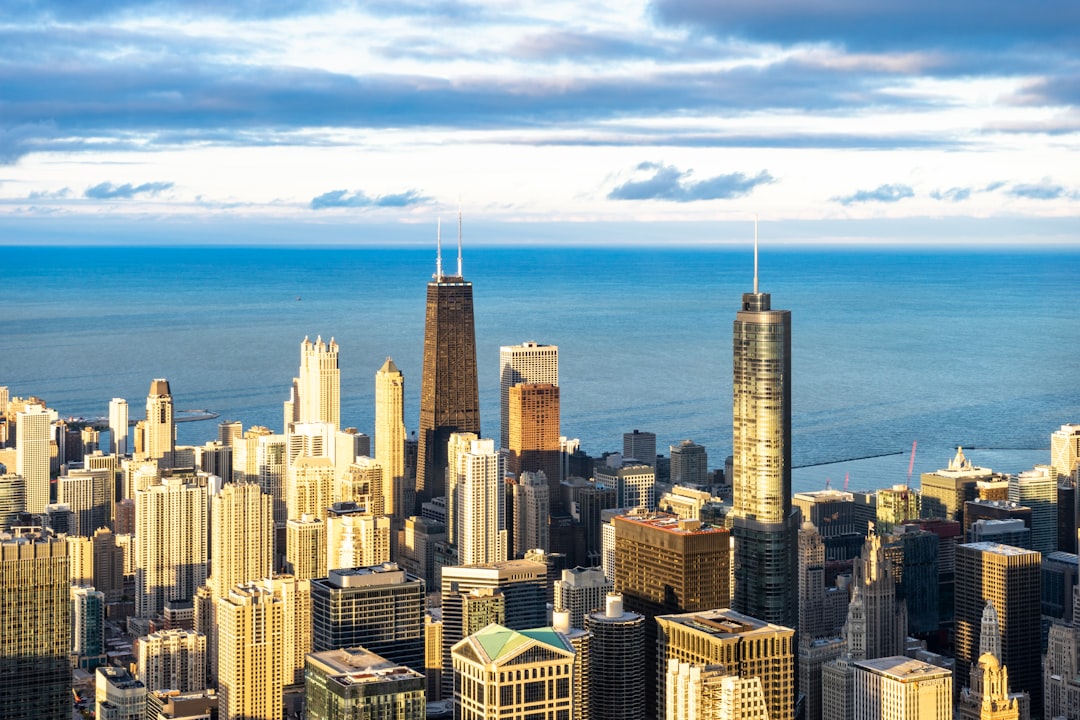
(666, 121)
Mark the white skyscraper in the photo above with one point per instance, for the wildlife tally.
(118, 427)
(170, 541)
(528, 362)
(482, 537)
(390, 437)
(32, 455)
(1037, 489)
(160, 439)
(316, 393)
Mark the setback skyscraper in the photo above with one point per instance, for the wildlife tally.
(449, 399)
(764, 523)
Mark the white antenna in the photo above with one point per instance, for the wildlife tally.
(755, 254)
(438, 250)
(459, 238)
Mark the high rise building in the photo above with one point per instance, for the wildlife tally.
(242, 537)
(900, 688)
(216, 458)
(987, 695)
(897, 505)
(540, 683)
(640, 446)
(480, 496)
(118, 427)
(390, 438)
(811, 582)
(764, 523)
(171, 544)
(35, 627)
(12, 499)
(449, 399)
(355, 538)
(708, 691)
(635, 485)
(1037, 489)
(529, 362)
(944, 492)
(523, 584)
(481, 607)
(416, 550)
(1009, 578)
(32, 455)
(172, 660)
(87, 627)
(580, 591)
(533, 441)
(380, 608)
(251, 654)
(119, 695)
(159, 435)
(316, 393)
(310, 487)
(619, 666)
(363, 482)
(90, 495)
(305, 543)
(877, 620)
(1065, 450)
(532, 506)
(356, 683)
(689, 464)
(108, 565)
(746, 646)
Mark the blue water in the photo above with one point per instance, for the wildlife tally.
(889, 346)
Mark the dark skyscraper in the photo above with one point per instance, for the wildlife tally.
(449, 399)
(765, 525)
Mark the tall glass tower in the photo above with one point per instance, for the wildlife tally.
(449, 398)
(765, 524)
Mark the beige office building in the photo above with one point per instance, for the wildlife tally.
(32, 426)
(900, 688)
(316, 393)
(1065, 450)
(390, 438)
(529, 362)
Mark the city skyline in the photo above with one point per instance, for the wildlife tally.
(554, 124)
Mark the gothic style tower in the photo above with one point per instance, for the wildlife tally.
(765, 525)
(449, 399)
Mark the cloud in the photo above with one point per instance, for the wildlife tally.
(882, 23)
(359, 199)
(1044, 190)
(669, 183)
(956, 194)
(50, 194)
(882, 193)
(108, 191)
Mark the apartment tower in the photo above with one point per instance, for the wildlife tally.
(390, 438)
(159, 439)
(316, 393)
(118, 427)
(32, 455)
(529, 362)
(764, 523)
(534, 433)
(449, 399)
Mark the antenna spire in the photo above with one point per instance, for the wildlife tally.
(755, 255)
(438, 250)
(459, 238)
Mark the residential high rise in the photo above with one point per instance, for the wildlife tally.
(529, 362)
(1009, 578)
(532, 506)
(12, 499)
(533, 441)
(689, 464)
(171, 543)
(251, 654)
(542, 676)
(581, 591)
(481, 500)
(897, 505)
(449, 399)
(619, 666)
(118, 427)
(172, 660)
(310, 487)
(900, 688)
(640, 446)
(764, 523)
(363, 482)
(390, 439)
(119, 695)
(305, 543)
(481, 607)
(356, 683)
(90, 495)
(32, 455)
(35, 627)
(159, 439)
(87, 627)
(811, 582)
(1037, 489)
(316, 393)
(108, 565)
(380, 608)
(355, 538)
(416, 550)
(746, 646)
(242, 537)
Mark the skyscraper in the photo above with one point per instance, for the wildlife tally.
(481, 498)
(619, 662)
(118, 426)
(171, 539)
(390, 438)
(764, 523)
(251, 655)
(242, 537)
(1008, 577)
(32, 455)
(159, 441)
(173, 660)
(529, 362)
(355, 683)
(640, 446)
(316, 393)
(899, 688)
(689, 464)
(534, 433)
(449, 398)
(35, 630)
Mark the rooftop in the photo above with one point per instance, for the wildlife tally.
(723, 622)
(671, 523)
(999, 549)
(904, 668)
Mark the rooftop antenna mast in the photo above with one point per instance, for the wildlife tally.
(459, 238)
(438, 250)
(755, 255)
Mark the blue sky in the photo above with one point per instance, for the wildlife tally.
(838, 120)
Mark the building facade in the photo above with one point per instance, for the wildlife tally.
(529, 362)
